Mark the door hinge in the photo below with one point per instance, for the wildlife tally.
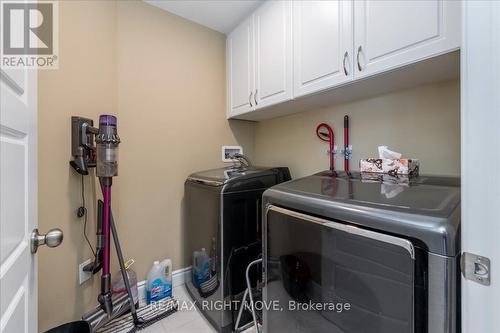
(475, 268)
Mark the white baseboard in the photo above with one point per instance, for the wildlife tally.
(179, 277)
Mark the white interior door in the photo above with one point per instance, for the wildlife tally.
(240, 69)
(273, 53)
(390, 34)
(480, 122)
(18, 201)
(323, 45)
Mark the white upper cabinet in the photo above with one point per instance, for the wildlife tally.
(240, 69)
(290, 49)
(323, 45)
(273, 53)
(390, 34)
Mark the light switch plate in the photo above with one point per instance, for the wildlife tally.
(84, 276)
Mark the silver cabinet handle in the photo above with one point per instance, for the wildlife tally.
(357, 58)
(346, 56)
(255, 97)
(53, 238)
(250, 99)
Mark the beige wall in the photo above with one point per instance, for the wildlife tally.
(84, 84)
(164, 78)
(171, 102)
(422, 122)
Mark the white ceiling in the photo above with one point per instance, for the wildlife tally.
(221, 15)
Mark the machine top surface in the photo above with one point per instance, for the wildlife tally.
(426, 208)
(222, 176)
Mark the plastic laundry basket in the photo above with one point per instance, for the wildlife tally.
(80, 326)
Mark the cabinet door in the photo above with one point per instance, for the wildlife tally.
(390, 34)
(323, 45)
(273, 53)
(240, 69)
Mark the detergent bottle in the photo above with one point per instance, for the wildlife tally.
(157, 287)
(201, 267)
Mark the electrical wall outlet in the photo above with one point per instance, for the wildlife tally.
(84, 276)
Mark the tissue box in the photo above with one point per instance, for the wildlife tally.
(370, 177)
(403, 166)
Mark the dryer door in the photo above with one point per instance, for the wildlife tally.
(325, 276)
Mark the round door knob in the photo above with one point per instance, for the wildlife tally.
(52, 238)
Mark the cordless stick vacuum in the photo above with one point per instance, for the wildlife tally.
(107, 141)
(105, 159)
(107, 316)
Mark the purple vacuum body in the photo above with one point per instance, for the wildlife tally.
(104, 157)
(107, 141)
(107, 147)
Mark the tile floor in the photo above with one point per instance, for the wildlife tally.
(184, 320)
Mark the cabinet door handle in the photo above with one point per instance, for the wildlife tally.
(346, 56)
(255, 97)
(357, 58)
(250, 99)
